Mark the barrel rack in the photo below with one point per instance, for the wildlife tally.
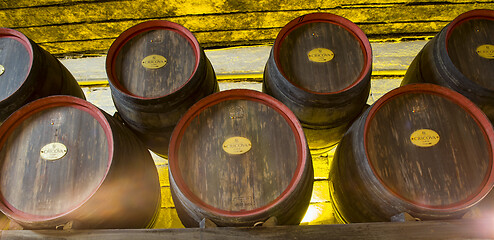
(242, 67)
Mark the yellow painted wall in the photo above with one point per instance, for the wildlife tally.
(82, 27)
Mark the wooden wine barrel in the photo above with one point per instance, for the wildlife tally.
(320, 67)
(239, 157)
(421, 149)
(157, 70)
(28, 72)
(63, 160)
(460, 57)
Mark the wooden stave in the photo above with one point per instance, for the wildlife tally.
(168, 108)
(288, 211)
(129, 157)
(289, 214)
(350, 171)
(433, 65)
(47, 76)
(334, 111)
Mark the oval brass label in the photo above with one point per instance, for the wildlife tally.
(486, 51)
(320, 55)
(154, 62)
(424, 138)
(53, 151)
(237, 145)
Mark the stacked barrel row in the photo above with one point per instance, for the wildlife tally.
(423, 150)
(240, 157)
(68, 163)
(426, 148)
(65, 162)
(226, 163)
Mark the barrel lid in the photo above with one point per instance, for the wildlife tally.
(55, 153)
(322, 53)
(470, 46)
(153, 59)
(430, 147)
(16, 58)
(237, 153)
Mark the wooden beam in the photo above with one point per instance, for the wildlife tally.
(247, 63)
(339, 3)
(459, 229)
(360, 11)
(89, 27)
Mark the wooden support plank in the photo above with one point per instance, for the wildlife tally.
(84, 48)
(379, 87)
(92, 48)
(247, 63)
(46, 28)
(320, 192)
(319, 214)
(166, 198)
(460, 229)
(321, 167)
(40, 3)
(110, 11)
(101, 97)
(167, 218)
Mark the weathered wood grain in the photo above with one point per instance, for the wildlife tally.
(237, 158)
(462, 44)
(29, 73)
(100, 163)
(57, 27)
(246, 64)
(101, 96)
(98, 47)
(236, 182)
(411, 171)
(286, 5)
(151, 101)
(388, 163)
(325, 93)
(332, 75)
(15, 61)
(37, 186)
(103, 11)
(178, 54)
(451, 59)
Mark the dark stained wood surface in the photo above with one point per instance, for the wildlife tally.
(266, 173)
(332, 76)
(459, 229)
(238, 182)
(320, 67)
(30, 73)
(144, 82)
(40, 187)
(421, 149)
(15, 60)
(444, 174)
(463, 41)
(450, 61)
(105, 179)
(160, 94)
